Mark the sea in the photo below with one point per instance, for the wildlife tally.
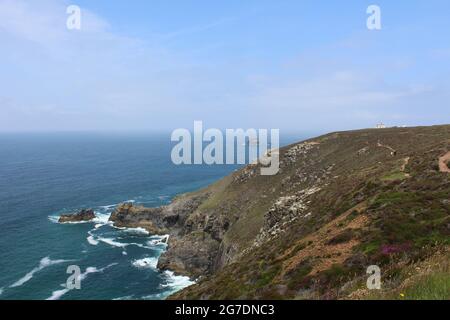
(43, 175)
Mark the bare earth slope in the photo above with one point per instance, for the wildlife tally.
(340, 203)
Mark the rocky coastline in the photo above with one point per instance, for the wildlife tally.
(310, 231)
(186, 254)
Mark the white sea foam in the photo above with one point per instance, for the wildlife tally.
(124, 298)
(101, 218)
(157, 296)
(70, 222)
(175, 282)
(92, 240)
(56, 295)
(1, 291)
(45, 262)
(109, 206)
(53, 219)
(134, 230)
(154, 242)
(158, 240)
(113, 242)
(145, 263)
(140, 245)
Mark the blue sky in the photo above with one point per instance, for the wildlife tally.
(159, 65)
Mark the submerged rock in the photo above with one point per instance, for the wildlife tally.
(81, 216)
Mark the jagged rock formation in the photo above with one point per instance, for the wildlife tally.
(189, 253)
(339, 203)
(82, 216)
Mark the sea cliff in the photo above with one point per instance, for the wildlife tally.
(340, 203)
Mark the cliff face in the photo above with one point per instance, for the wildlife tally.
(189, 252)
(340, 203)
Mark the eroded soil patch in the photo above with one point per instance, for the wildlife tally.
(443, 163)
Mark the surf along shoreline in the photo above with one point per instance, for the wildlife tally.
(154, 241)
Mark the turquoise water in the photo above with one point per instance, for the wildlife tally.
(44, 175)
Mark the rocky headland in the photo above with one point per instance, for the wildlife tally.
(340, 202)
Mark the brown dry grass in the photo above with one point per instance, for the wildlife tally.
(317, 245)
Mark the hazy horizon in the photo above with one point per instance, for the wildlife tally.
(168, 131)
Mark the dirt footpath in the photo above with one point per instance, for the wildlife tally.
(443, 163)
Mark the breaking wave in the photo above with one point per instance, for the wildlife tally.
(92, 240)
(158, 240)
(124, 298)
(176, 282)
(139, 231)
(113, 242)
(56, 295)
(173, 283)
(45, 262)
(119, 237)
(145, 263)
(101, 218)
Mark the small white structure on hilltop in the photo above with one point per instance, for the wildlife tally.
(380, 126)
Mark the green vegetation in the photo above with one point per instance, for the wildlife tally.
(425, 280)
(403, 221)
(370, 247)
(417, 218)
(431, 287)
(267, 276)
(395, 176)
(297, 277)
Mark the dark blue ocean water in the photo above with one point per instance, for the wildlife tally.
(43, 175)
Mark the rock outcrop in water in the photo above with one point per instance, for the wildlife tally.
(130, 216)
(339, 204)
(188, 253)
(81, 216)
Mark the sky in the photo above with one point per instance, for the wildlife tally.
(292, 65)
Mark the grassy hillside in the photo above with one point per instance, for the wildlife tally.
(341, 202)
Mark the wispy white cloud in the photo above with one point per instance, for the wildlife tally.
(186, 31)
(335, 91)
(95, 78)
(43, 22)
(336, 99)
